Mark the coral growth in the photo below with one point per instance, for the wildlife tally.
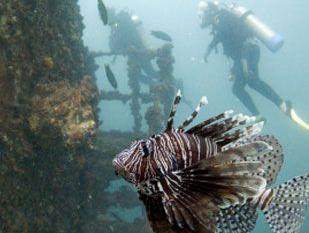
(162, 91)
(65, 107)
(55, 168)
(161, 87)
(48, 117)
(134, 72)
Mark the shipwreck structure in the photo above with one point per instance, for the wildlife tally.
(53, 174)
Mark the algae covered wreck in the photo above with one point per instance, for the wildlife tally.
(52, 174)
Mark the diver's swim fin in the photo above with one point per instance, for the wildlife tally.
(298, 120)
(286, 107)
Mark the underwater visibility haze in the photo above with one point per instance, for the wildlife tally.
(159, 116)
(181, 21)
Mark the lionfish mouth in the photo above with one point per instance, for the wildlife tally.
(117, 166)
(119, 170)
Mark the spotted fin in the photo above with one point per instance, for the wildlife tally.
(271, 160)
(239, 218)
(242, 218)
(287, 209)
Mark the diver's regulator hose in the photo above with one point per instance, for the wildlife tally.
(272, 40)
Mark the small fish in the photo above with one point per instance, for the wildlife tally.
(110, 76)
(103, 12)
(161, 35)
(213, 177)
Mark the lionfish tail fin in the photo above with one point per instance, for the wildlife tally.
(286, 210)
(170, 120)
(194, 114)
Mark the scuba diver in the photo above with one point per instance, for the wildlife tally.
(236, 28)
(126, 38)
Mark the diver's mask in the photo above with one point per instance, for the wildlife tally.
(136, 20)
(207, 12)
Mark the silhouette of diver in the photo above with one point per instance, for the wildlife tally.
(238, 44)
(126, 38)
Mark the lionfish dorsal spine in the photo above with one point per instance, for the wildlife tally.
(170, 121)
(203, 101)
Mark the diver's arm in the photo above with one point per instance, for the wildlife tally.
(245, 67)
(213, 44)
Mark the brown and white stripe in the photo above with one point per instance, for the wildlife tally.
(263, 201)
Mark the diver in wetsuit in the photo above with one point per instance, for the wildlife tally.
(126, 38)
(237, 42)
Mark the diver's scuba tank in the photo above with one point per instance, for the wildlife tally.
(272, 40)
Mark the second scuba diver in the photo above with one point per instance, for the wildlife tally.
(126, 38)
(236, 28)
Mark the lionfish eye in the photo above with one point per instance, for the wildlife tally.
(145, 149)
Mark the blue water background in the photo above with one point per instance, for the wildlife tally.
(287, 71)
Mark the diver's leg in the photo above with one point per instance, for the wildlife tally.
(254, 81)
(264, 89)
(239, 89)
(252, 57)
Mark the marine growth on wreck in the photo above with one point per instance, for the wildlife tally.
(55, 164)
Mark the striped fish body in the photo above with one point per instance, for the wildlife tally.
(148, 160)
(213, 177)
(171, 151)
(186, 149)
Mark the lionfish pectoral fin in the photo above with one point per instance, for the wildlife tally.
(185, 210)
(229, 178)
(158, 218)
(155, 214)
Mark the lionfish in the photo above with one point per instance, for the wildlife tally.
(213, 177)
